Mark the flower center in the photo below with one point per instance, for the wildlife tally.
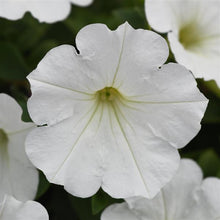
(190, 36)
(108, 94)
(3, 138)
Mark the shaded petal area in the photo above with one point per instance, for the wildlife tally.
(18, 176)
(208, 197)
(178, 203)
(11, 208)
(171, 202)
(119, 212)
(185, 197)
(10, 115)
(168, 15)
(200, 63)
(194, 33)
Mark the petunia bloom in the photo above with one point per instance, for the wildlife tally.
(186, 197)
(18, 177)
(194, 33)
(113, 114)
(12, 209)
(45, 11)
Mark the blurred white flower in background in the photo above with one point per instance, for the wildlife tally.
(44, 10)
(114, 115)
(18, 177)
(194, 33)
(12, 209)
(186, 197)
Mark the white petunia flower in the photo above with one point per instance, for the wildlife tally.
(12, 209)
(44, 10)
(186, 197)
(18, 177)
(194, 32)
(114, 118)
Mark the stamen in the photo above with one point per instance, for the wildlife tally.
(108, 94)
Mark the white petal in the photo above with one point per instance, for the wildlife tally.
(203, 57)
(70, 145)
(45, 11)
(182, 198)
(159, 15)
(118, 212)
(209, 199)
(175, 199)
(10, 115)
(178, 194)
(112, 53)
(169, 15)
(82, 2)
(98, 153)
(116, 145)
(48, 11)
(109, 159)
(146, 163)
(173, 202)
(202, 64)
(18, 176)
(93, 69)
(16, 210)
(61, 76)
(149, 209)
(12, 10)
(135, 63)
(169, 98)
(101, 48)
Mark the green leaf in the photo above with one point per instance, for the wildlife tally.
(209, 162)
(135, 16)
(218, 174)
(212, 87)
(39, 52)
(82, 208)
(12, 65)
(31, 33)
(212, 114)
(43, 185)
(19, 92)
(100, 201)
(60, 33)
